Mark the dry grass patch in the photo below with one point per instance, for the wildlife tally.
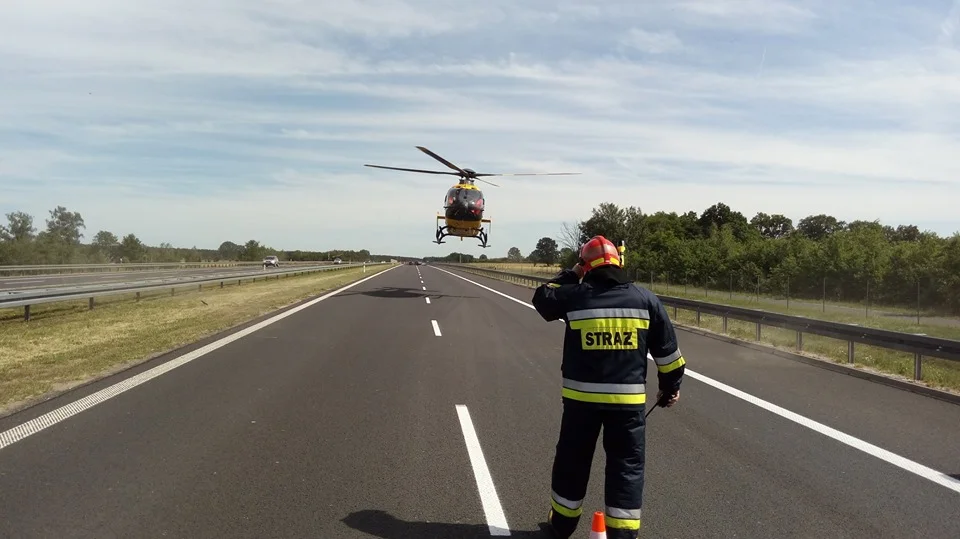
(66, 345)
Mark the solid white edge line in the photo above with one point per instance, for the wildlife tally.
(496, 520)
(48, 419)
(878, 452)
(436, 328)
(916, 468)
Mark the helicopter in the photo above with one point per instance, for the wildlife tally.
(464, 203)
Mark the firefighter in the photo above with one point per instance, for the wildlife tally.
(611, 325)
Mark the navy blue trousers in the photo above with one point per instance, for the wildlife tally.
(623, 443)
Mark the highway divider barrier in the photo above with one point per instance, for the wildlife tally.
(919, 345)
(56, 269)
(25, 298)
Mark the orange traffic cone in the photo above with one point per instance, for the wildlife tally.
(599, 528)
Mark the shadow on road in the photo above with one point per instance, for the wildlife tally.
(399, 293)
(386, 526)
(955, 476)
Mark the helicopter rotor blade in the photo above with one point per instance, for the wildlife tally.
(415, 170)
(533, 174)
(485, 181)
(442, 160)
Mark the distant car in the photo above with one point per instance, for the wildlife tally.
(337, 261)
(271, 261)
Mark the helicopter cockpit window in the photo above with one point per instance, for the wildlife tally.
(471, 196)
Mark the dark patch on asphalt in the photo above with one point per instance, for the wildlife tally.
(393, 292)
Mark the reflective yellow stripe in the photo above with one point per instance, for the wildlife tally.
(672, 366)
(622, 523)
(553, 285)
(605, 398)
(597, 261)
(566, 511)
(609, 333)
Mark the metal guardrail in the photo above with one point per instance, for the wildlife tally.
(38, 269)
(918, 345)
(34, 297)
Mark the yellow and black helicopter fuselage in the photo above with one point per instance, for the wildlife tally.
(463, 210)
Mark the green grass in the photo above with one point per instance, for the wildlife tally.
(936, 373)
(65, 344)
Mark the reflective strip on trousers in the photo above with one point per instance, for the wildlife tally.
(604, 393)
(628, 519)
(567, 508)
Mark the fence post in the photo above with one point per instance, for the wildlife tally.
(917, 367)
(850, 352)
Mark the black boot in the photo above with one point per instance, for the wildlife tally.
(560, 526)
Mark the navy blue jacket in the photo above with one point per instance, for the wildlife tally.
(612, 325)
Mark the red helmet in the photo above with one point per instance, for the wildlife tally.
(599, 251)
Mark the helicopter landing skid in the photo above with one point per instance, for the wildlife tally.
(441, 233)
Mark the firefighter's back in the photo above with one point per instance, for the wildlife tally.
(606, 343)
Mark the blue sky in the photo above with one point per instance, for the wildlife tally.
(194, 122)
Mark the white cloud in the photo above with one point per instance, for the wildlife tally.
(651, 42)
(271, 109)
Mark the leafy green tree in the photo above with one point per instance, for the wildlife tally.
(546, 252)
(131, 249)
(772, 226)
(229, 251)
(20, 227)
(105, 245)
(818, 227)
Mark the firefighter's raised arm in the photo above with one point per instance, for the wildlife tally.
(665, 350)
(548, 299)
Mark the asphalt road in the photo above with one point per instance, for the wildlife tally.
(31, 282)
(342, 420)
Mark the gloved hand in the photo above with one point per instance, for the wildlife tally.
(667, 401)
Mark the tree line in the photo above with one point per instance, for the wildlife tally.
(60, 242)
(819, 257)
